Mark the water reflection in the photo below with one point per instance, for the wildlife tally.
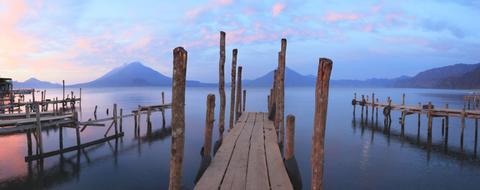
(415, 140)
(69, 165)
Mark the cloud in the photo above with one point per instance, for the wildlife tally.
(277, 9)
(438, 26)
(339, 16)
(195, 12)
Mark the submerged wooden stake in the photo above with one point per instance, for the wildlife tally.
(178, 117)
(232, 88)
(221, 83)
(320, 121)
(290, 143)
(209, 119)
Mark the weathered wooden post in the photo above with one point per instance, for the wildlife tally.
(273, 98)
(95, 112)
(366, 110)
(443, 127)
(209, 119)
(419, 115)
(29, 142)
(149, 123)
(462, 123)
(280, 96)
(27, 112)
(363, 105)
(178, 117)
(60, 136)
(232, 88)
(430, 118)
(446, 124)
(373, 104)
(163, 110)
(63, 87)
(115, 118)
(39, 129)
(239, 91)
(42, 100)
(77, 128)
(221, 84)
(290, 143)
(121, 120)
(320, 121)
(244, 100)
(354, 103)
(403, 99)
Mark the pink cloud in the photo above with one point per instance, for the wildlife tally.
(337, 16)
(277, 9)
(212, 4)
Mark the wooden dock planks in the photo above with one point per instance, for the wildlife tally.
(249, 158)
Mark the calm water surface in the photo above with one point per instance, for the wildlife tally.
(359, 155)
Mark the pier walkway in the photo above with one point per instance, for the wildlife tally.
(249, 158)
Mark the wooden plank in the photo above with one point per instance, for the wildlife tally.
(257, 174)
(277, 173)
(212, 178)
(72, 148)
(31, 120)
(235, 177)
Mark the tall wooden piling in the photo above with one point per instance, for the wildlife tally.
(280, 97)
(290, 142)
(178, 117)
(320, 121)
(209, 119)
(239, 93)
(221, 83)
(232, 88)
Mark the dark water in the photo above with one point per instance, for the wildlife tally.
(358, 155)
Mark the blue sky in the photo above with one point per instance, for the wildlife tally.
(80, 40)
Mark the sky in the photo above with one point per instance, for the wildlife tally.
(80, 41)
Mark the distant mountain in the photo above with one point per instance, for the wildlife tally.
(35, 83)
(134, 74)
(452, 76)
(374, 82)
(469, 80)
(292, 78)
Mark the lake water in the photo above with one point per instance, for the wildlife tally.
(357, 156)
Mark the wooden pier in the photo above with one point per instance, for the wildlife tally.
(249, 158)
(429, 110)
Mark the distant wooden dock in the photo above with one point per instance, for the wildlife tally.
(249, 158)
(430, 110)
